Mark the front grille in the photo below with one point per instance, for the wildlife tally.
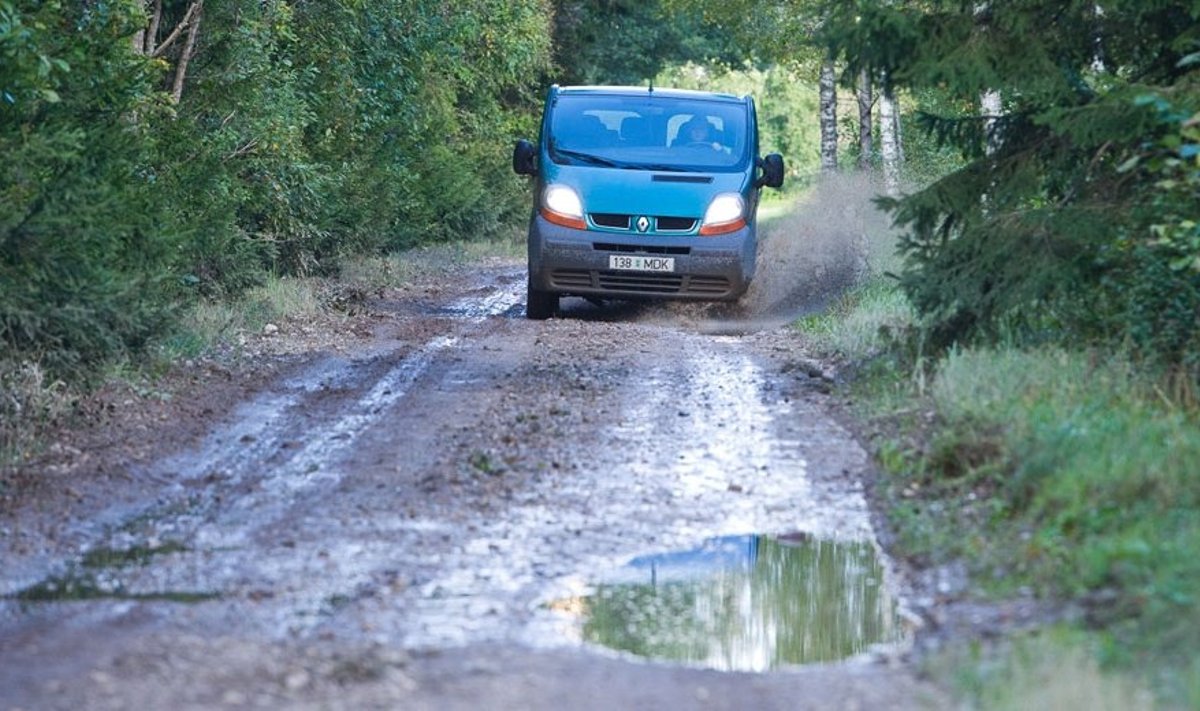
(676, 224)
(709, 285)
(612, 220)
(641, 283)
(663, 223)
(636, 249)
(679, 285)
(571, 279)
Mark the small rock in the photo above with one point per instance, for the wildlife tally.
(232, 697)
(296, 680)
(270, 329)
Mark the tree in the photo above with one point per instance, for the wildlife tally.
(866, 103)
(631, 41)
(160, 150)
(83, 257)
(781, 32)
(1065, 244)
(146, 40)
(889, 123)
(829, 138)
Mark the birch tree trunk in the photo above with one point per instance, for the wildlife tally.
(189, 47)
(866, 147)
(991, 107)
(888, 134)
(828, 99)
(145, 40)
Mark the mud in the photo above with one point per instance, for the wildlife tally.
(416, 513)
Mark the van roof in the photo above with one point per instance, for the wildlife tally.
(649, 91)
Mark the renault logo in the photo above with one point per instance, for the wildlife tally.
(643, 223)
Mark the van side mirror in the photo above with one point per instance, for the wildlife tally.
(772, 171)
(524, 158)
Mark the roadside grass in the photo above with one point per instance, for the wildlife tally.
(431, 262)
(1067, 475)
(1075, 477)
(211, 324)
(1053, 669)
(862, 323)
(29, 403)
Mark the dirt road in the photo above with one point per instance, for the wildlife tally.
(464, 509)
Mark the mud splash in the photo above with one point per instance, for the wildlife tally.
(816, 251)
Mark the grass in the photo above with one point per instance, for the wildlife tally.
(29, 402)
(210, 323)
(860, 324)
(1068, 474)
(1052, 669)
(1090, 492)
(424, 263)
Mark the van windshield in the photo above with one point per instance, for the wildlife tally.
(649, 132)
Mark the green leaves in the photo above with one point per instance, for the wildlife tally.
(631, 41)
(1080, 222)
(305, 131)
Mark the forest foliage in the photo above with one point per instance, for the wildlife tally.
(301, 132)
(1074, 215)
(158, 151)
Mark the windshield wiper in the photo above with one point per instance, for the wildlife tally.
(588, 158)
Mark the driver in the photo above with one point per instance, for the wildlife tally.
(698, 132)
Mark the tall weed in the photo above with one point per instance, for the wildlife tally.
(29, 401)
(1057, 670)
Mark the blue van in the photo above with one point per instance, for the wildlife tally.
(643, 193)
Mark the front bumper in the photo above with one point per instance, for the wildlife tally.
(576, 262)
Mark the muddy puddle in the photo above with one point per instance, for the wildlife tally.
(101, 574)
(744, 603)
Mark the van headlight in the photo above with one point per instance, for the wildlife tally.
(562, 206)
(726, 213)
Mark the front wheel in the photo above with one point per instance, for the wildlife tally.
(539, 305)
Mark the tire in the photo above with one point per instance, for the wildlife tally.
(539, 305)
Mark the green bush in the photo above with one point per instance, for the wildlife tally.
(305, 132)
(83, 260)
(1067, 210)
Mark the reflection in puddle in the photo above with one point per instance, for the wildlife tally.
(745, 603)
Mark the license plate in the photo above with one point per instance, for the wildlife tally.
(638, 263)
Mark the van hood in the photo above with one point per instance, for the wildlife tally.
(647, 192)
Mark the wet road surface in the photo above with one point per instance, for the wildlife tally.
(611, 509)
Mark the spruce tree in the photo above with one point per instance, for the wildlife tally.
(1064, 226)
